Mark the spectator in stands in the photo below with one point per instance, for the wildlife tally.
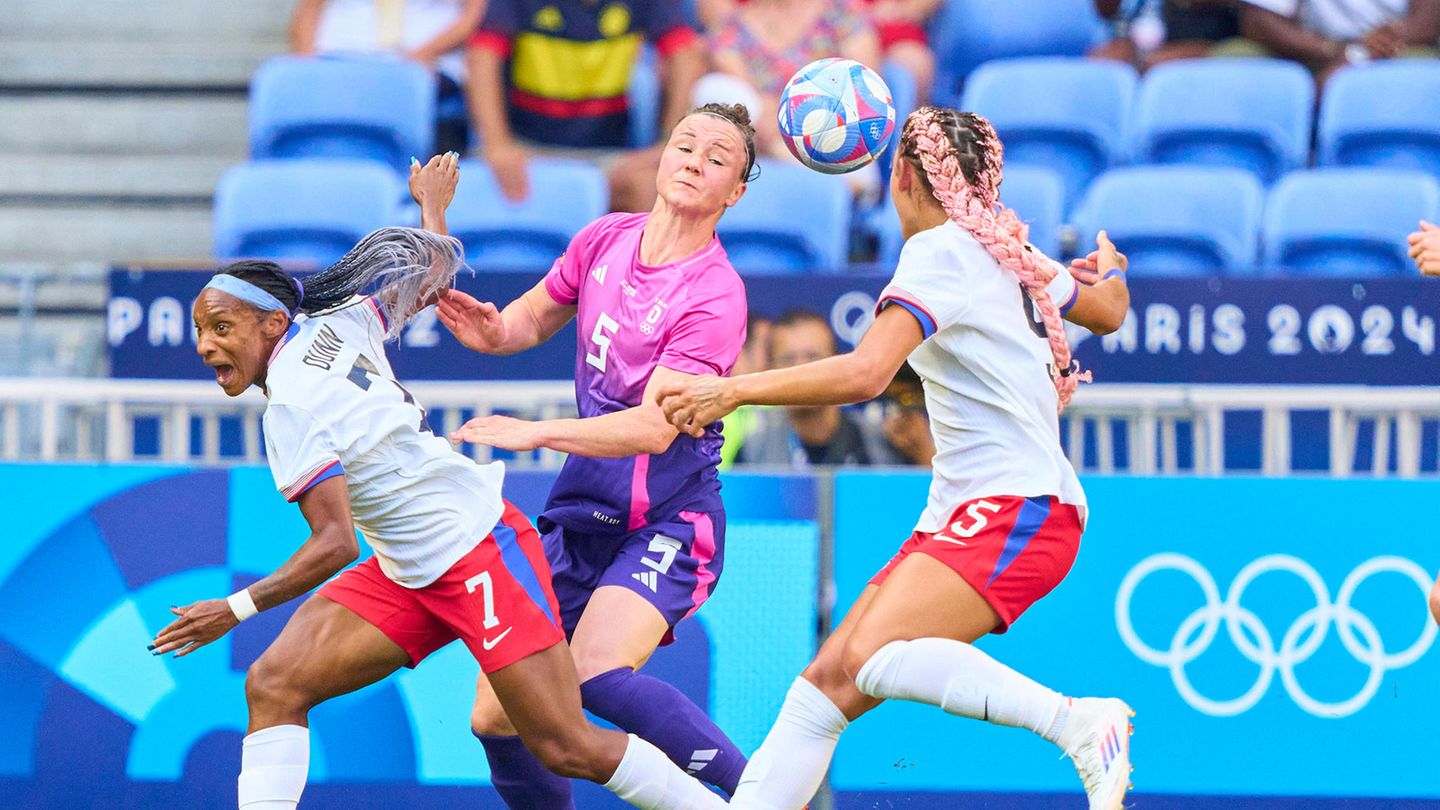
(431, 32)
(1325, 35)
(754, 356)
(1182, 29)
(550, 76)
(803, 436)
(764, 42)
(907, 426)
(900, 25)
(1425, 250)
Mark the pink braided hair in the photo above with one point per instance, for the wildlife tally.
(974, 205)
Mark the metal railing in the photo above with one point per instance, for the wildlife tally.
(1140, 429)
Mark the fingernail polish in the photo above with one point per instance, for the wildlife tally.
(150, 647)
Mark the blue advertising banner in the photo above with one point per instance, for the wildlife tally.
(1270, 647)
(1210, 330)
(89, 566)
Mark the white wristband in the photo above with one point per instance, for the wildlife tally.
(241, 604)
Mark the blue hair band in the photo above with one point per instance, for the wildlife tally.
(247, 292)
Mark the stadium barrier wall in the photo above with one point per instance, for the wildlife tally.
(1271, 634)
(1180, 330)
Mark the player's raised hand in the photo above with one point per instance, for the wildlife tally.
(198, 625)
(434, 183)
(692, 404)
(502, 432)
(1425, 248)
(1100, 263)
(478, 325)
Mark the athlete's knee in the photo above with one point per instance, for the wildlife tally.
(595, 659)
(488, 718)
(273, 686)
(858, 651)
(574, 753)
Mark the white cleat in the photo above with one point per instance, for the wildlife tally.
(1098, 734)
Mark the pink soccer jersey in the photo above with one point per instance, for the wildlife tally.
(688, 316)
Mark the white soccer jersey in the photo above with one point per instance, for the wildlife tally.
(985, 365)
(335, 408)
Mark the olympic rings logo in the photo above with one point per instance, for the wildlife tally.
(1253, 639)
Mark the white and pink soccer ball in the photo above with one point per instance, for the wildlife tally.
(836, 115)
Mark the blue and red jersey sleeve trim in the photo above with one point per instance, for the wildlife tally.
(315, 475)
(928, 325)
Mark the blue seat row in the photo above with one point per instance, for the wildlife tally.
(1082, 117)
(312, 211)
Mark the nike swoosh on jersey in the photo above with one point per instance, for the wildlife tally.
(489, 643)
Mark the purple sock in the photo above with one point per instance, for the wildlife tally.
(522, 782)
(657, 712)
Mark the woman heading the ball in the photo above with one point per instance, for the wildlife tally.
(634, 527)
(978, 315)
(452, 559)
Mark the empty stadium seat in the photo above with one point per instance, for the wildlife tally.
(644, 99)
(1252, 114)
(565, 196)
(1382, 114)
(342, 107)
(791, 219)
(1176, 220)
(301, 210)
(966, 33)
(1065, 114)
(1037, 195)
(1347, 222)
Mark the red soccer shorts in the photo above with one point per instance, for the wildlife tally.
(1011, 550)
(497, 599)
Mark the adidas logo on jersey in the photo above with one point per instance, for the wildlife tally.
(700, 759)
(599, 273)
(649, 579)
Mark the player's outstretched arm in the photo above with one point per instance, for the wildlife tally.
(1425, 248)
(331, 547)
(1103, 298)
(692, 404)
(528, 321)
(641, 430)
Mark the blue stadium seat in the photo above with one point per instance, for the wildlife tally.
(1065, 114)
(301, 210)
(378, 109)
(1036, 194)
(791, 219)
(966, 33)
(644, 99)
(1347, 222)
(565, 196)
(1176, 220)
(1252, 114)
(1382, 114)
(905, 94)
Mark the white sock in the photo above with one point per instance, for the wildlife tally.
(963, 681)
(648, 779)
(273, 765)
(790, 765)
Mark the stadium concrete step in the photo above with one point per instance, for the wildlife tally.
(203, 124)
(128, 64)
(176, 234)
(183, 177)
(111, 20)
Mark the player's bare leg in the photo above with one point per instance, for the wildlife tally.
(540, 695)
(914, 643)
(324, 651)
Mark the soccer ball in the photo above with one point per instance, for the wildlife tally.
(836, 115)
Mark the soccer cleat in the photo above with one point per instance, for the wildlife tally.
(1098, 742)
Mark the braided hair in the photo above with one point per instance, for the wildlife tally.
(402, 267)
(959, 158)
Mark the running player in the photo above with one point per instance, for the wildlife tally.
(452, 559)
(634, 528)
(976, 313)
